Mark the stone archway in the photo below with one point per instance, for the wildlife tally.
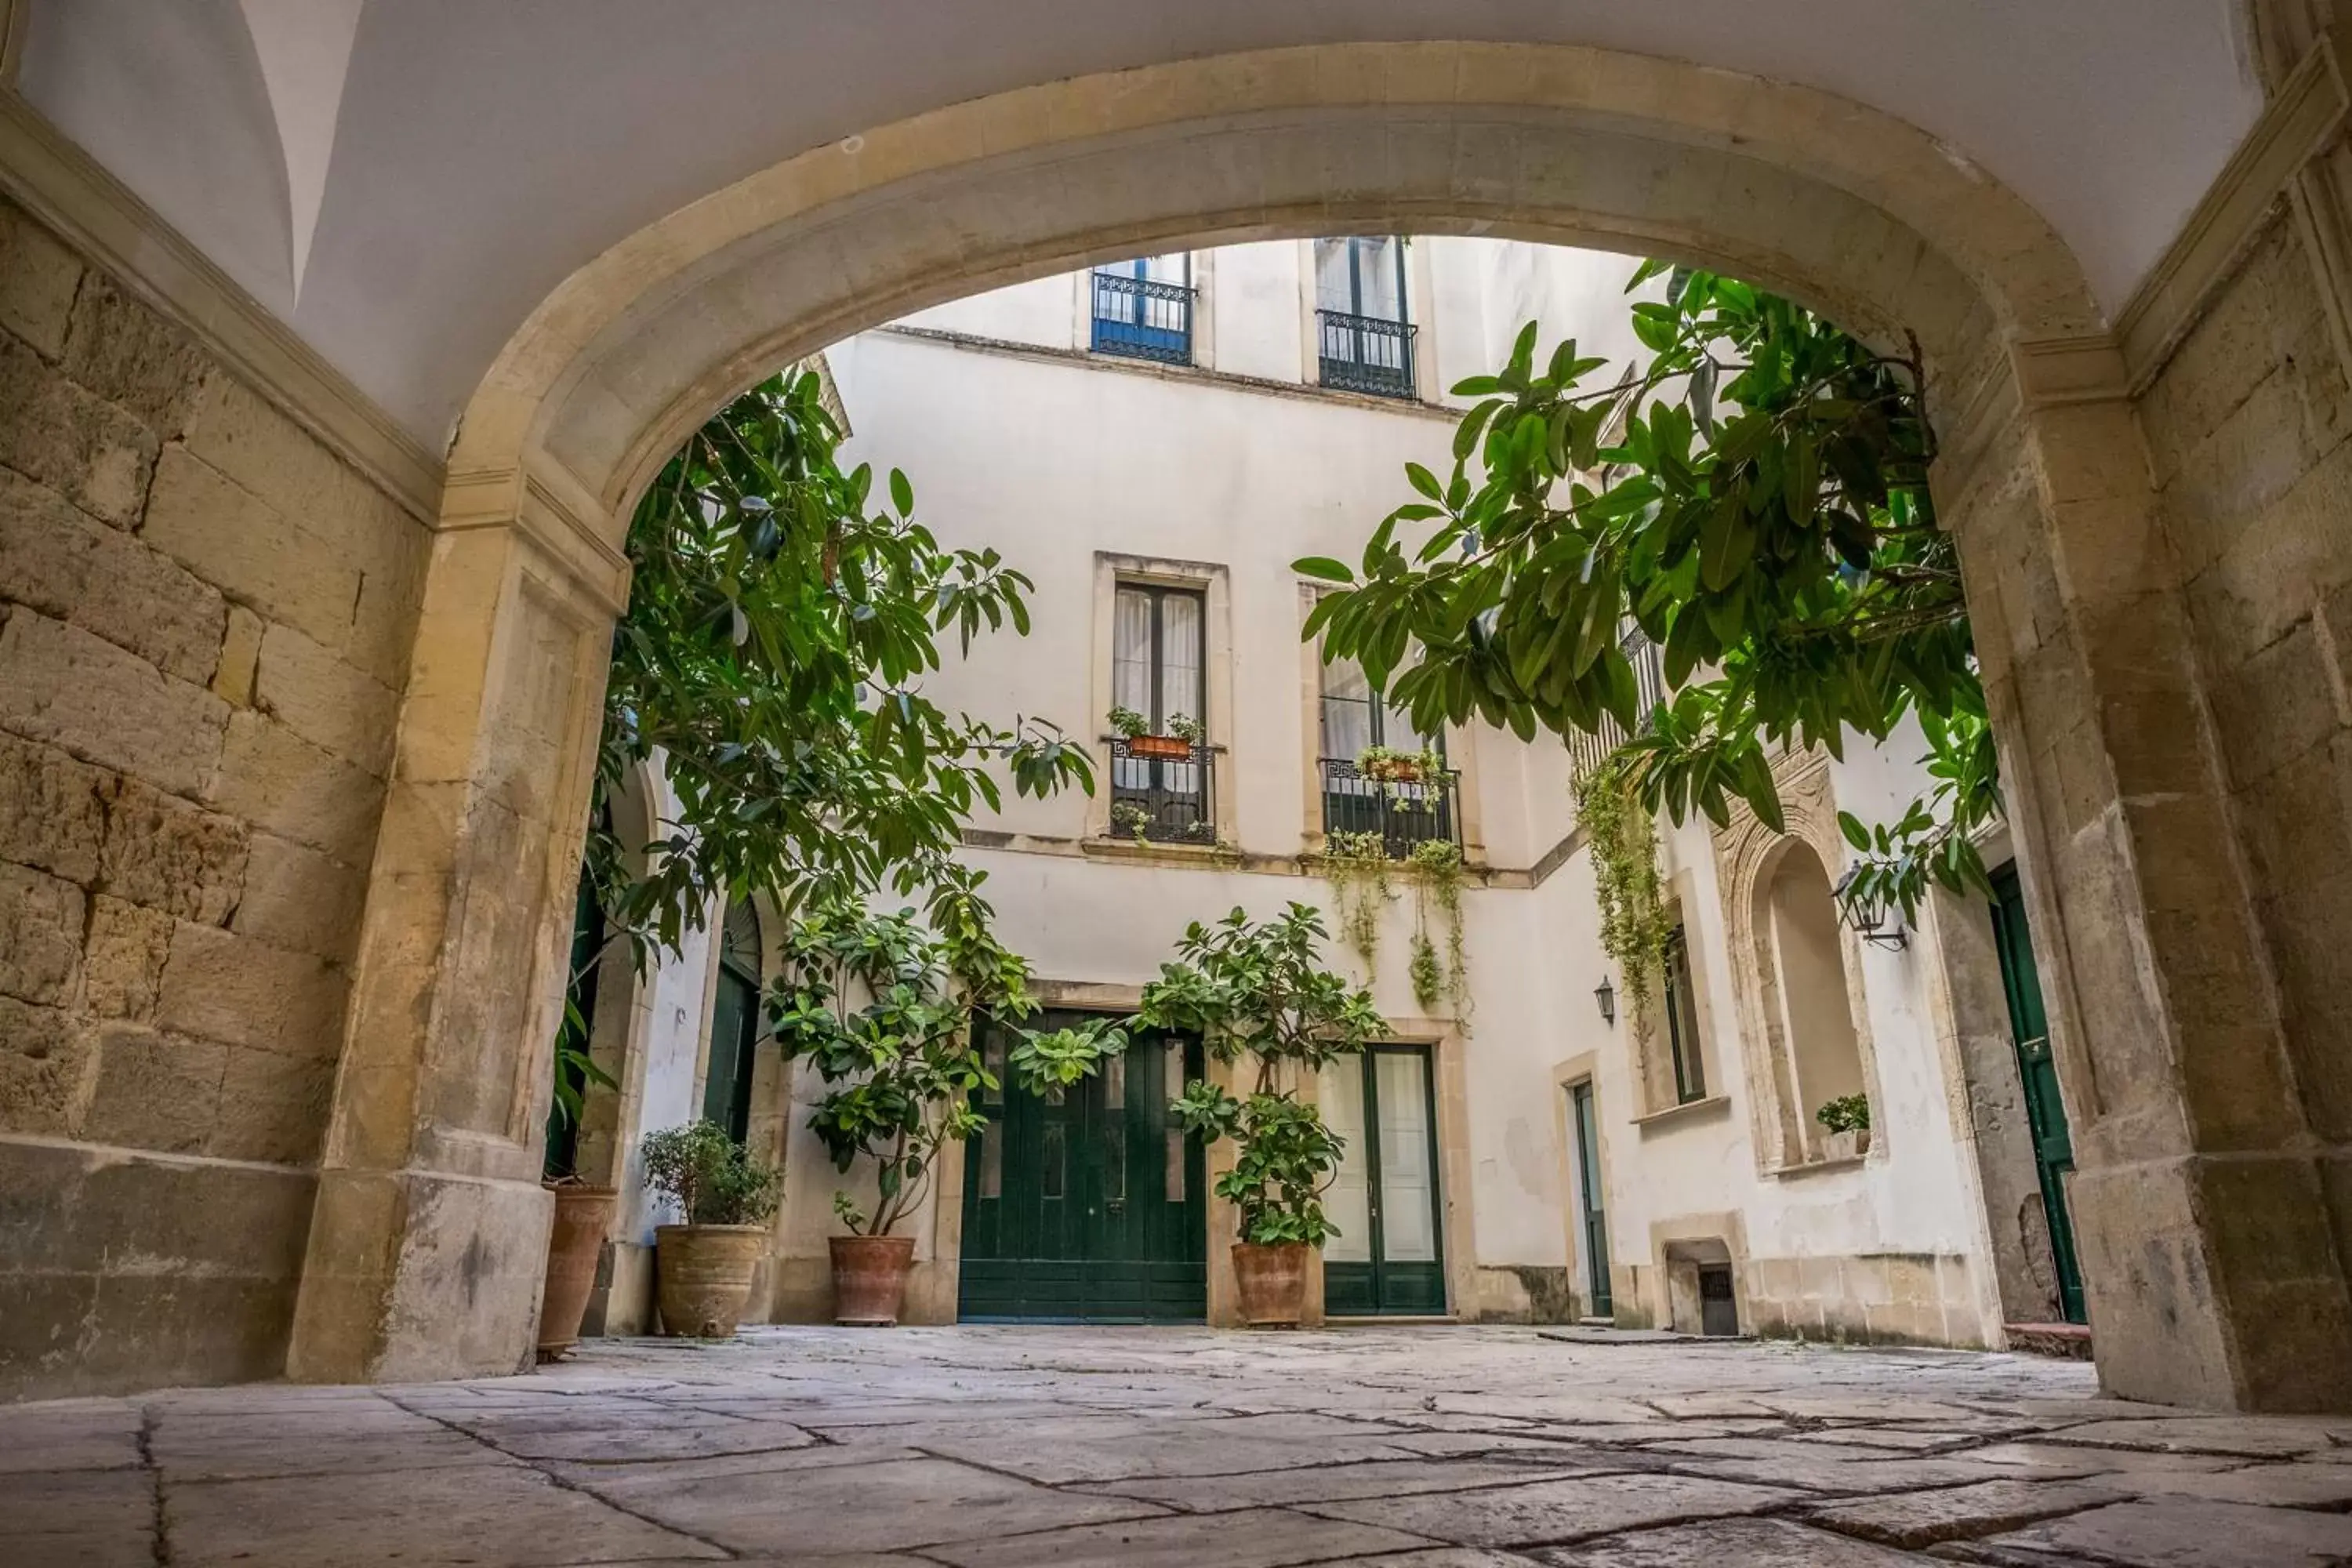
(428, 1215)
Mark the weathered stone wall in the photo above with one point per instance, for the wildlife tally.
(204, 621)
(2250, 429)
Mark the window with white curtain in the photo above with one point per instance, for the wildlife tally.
(1156, 662)
(1355, 716)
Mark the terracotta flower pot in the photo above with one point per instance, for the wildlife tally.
(705, 1276)
(1273, 1280)
(582, 1217)
(869, 1278)
(1165, 746)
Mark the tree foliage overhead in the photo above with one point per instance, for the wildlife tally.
(1753, 501)
(781, 618)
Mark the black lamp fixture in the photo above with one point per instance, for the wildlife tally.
(1606, 994)
(1871, 918)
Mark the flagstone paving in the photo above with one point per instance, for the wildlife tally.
(1001, 1447)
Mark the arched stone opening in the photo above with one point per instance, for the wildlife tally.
(1809, 984)
(423, 1199)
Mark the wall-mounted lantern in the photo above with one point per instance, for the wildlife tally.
(1606, 994)
(1871, 918)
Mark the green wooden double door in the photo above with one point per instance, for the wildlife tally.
(1092, 1208)
(2046, 1114)
(1388, 1255)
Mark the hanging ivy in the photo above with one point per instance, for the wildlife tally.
(1623, 840)
(1437, 866)
(1356, 866)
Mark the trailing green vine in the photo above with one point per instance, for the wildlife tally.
(1623, 841)
(1437, 866)
(1356, 866)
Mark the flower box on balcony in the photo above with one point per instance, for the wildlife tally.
(1165, 748)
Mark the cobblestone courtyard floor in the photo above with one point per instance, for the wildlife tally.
(1404, 1448)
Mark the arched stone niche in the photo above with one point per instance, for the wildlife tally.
(1804, 1022)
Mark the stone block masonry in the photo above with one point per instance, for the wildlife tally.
(204, 623)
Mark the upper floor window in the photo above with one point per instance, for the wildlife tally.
(1143, 308)
(1380, 775)
(1160, 774)
(1359, 298)
(1680, 1001)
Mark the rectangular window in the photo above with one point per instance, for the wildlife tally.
(1403, 811)
(1171, 1088)
(1681, 1021)
(1157, 670)
(1360, 306)
(1143, 308)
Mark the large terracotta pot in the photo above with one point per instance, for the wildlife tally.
(869, 1278)
(582, 1217)
(1273, 1280)
(705, 1273)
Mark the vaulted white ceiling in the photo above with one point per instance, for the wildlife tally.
(404, 180)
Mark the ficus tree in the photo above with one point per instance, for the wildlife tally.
(781, 617)
(1259, 990)
(881, 1005)
(1755, 501)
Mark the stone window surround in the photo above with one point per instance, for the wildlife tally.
(1746, 854)
(1461, 749)
(1214, 582)
(1647, 1026)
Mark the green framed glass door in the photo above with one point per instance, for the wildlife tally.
(2045, 1112)
(1091, 1208)
(1590, 1197)
(1389, 1257)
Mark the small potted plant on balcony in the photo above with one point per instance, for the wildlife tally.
(1382, 764)
(1128, 820)
(1136, 731)
(724, 1197)
(1259, 990)
(882, 1007)
(1847, 1118)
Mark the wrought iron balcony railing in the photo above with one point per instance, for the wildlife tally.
(1162, 789)
(1365, 354)
(1588, 751)
(1138, 318)
(1403, 812)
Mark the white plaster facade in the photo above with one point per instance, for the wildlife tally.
(1088, 470)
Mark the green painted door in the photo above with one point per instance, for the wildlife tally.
(2053, 1148)
(734, 1024)
(1091, 1208)
(1388, 1258)
(1589, 1197)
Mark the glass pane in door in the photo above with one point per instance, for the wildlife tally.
(1408, 1186)
(1347, 1202)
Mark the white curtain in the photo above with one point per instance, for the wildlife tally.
(1130, 651)
(1347, 709)
(1348, 1203)
(1408, 1186)
(1180, 658)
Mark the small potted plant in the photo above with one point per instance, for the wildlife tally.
(1128, 820)
(1189, 729)
(704, 1263)
(882, 1007)
(1136, 731)
(1382, 764)
(1260, 990)
(1847, 1119)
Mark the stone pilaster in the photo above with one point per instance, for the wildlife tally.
(429, 1243)
(2211, 1272)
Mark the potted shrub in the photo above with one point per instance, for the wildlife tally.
(882, 1007)
(1260, 990)
(1847, 1118)
(704, 1263)
(583, 1214)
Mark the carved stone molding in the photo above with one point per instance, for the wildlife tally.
(1746, 855)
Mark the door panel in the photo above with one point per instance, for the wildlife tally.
(1091, 1208)
(2045, 1112)
(1389, 1257)
(1591, 1197)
